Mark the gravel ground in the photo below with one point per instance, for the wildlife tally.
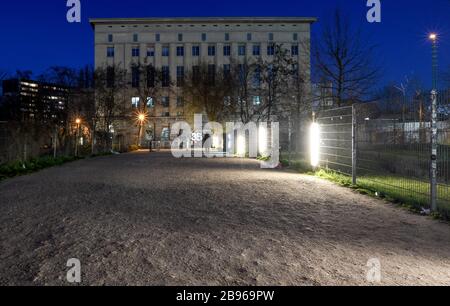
(141, 219)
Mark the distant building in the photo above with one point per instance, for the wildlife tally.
(179, 45)
(32, 100)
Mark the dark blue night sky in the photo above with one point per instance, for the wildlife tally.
(36, 35)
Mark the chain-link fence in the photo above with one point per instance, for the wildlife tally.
(387, 147)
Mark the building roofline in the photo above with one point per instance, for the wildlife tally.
(174, 20)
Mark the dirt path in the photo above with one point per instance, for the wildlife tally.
(140, 219)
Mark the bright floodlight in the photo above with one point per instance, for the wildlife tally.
(433, 36)
(314, 143)
(241, 148)
(141, 117)
(262, 140)
(78, 121)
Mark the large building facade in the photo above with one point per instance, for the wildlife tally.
(175, 45)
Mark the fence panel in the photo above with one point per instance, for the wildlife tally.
(336, 139)
(393, 152)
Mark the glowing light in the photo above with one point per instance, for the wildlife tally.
(433, 36)
(141, 117)
(240, 150)
(314, 143)
(216, 142)
(262, 140)
(78, 121)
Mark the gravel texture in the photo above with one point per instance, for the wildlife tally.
(150, 219)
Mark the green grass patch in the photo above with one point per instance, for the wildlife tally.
(409, 193)
(18, 168)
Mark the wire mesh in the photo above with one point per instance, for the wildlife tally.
(336, 139)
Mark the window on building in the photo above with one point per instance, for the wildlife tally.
(135, 77)
(151, 51)
(270, 50)
(211, 50)
(256, 50)
(271, 36)
(135, 102)
(150, 102)
(242, 50)
(180, 51)
(135, 37)
(249, 36)
(165, 102)
(294, 50)
(180, 76)
(204, 37)
(165, 51)
(256, 100)
(110, 77)
(110, 38)
(227, 50)
(195, 50)
(295, 36)
(158, 37)
(165, 134)
(135, 52)
(227, 36)
(151, 76)
(110, 52)
(180, 37)
(165, 76)
(180, 102)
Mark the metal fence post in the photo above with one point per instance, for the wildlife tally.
(434, 153)
(354, 126)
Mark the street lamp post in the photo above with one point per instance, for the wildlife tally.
(78, 122)
(434, 147)
(141, 119)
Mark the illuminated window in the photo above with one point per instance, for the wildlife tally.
(165, 134)
(135, 102)
(256, 100)
(150, 102)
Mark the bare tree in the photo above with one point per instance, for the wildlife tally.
(110, 86)
(150, 86)
(345, 58)
(276, 73)
(207, 90)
